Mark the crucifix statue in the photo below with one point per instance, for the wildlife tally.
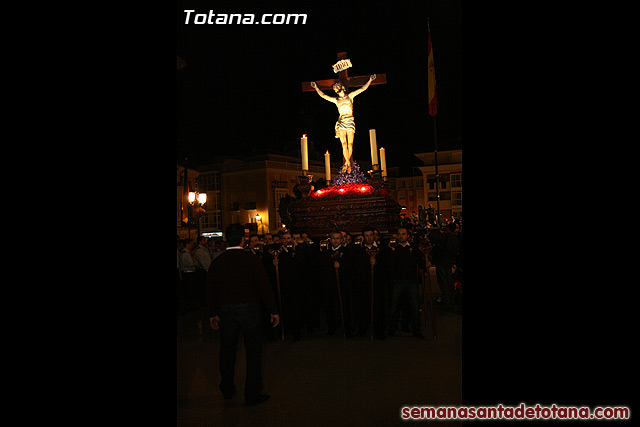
(345, 126)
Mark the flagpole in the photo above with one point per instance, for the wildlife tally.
(185, 192)
(435, 138)
(435, 152)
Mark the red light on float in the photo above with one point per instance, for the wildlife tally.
(346, 190)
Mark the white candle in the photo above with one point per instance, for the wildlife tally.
(305, 153)
(374, 147)
(327, 166)
(383, 162)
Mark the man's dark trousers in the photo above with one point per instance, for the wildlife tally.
(445, 282)
(398, 289)
(233, 319)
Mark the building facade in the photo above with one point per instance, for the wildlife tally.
(450, 180)
(248, 190)
(419, 188)
(407, 190)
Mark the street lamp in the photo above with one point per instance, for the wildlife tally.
(198, 199)
(259, 219)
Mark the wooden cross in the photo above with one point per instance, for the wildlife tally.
(343, 77)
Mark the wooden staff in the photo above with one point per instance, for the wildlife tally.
(372, 300)
(424, 292)
(340, 301)
(372, 255)
(433, 317)
(426, 250)
(275, 257)
(334, 257)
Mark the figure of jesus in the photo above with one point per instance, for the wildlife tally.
(345, 126)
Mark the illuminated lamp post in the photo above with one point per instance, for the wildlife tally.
(260, 219)
(198, 200)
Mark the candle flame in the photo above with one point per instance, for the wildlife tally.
(327, 152)
(304, 136)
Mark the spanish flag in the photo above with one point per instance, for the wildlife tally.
(431, 79)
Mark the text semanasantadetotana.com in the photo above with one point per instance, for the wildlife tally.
(522, 412)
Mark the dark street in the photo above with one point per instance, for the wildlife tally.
(323, 380)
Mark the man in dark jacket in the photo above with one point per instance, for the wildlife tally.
(431, 215)
(403, 260)
(236, 282)
(444, 254)
(290, 267)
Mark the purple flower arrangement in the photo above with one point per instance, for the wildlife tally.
(356, 176)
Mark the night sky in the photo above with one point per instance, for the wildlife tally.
(240, 92)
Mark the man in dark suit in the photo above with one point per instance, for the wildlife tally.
(365, 257)
(236, 282)
(335, 257)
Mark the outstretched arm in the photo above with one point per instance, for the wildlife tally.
(363, 88)
(322, 95)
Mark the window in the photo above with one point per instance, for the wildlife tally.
(432, 183)
(209, 182)
(444, 158)
(456, 180)
(211, 220)
(402, 197)
(277, 195)
(432, 197)
(456, 198)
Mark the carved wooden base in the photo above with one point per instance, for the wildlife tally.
(319, 217)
